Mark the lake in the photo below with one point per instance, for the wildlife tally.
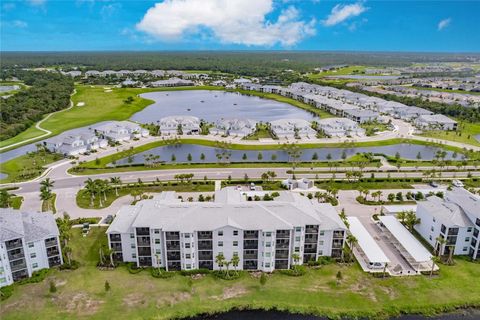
(181, 152)
(215, 105)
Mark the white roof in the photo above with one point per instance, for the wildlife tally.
(369, 246)
(414, 248)
(395, 208)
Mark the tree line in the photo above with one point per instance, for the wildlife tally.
(47, 92)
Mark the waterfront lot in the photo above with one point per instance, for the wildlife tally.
(81, 293)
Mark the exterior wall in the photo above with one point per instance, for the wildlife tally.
(427, 228)
(5, 272)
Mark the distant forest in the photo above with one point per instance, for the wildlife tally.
(47, 92)
(254, 63)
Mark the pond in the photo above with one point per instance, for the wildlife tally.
(215, 105)
(181, 152)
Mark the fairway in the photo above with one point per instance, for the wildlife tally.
(81, 294)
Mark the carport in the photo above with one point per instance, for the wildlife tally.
(407, 245)
(367, 251)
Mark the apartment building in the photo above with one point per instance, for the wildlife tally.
(165, 232)
(455, 218)
(28, 242)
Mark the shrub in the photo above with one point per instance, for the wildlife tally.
(107, 285)
(133, 269)
(6, 292)
(230, 275)
(263, 279)
(72, 266)
(36, 277)
(297, 271)
(85, 220)
(161, 273)
(53, 287)
(194, 272)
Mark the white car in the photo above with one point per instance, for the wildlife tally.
(458, 183)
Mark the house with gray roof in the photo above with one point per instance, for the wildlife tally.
(361, 115)
(455, 218)
(121, 131)
(264, 235)
(340, 127)
(172, 125)
(435, 121)
(292, 128)
(172, 82)
(234, 127)
(29, 242)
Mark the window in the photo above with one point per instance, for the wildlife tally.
(132, 236)
(220, 233)
(432, 228)
(132, 246)
(157, 231)
(434, 219)
(321, 242)
(469, 229)
(235, 253)
(297, 238)
(235, 243)
(134, 256)
(268, 244)
(35, 265)
(320, 253)
(33, 255)
(188, 266)
(187, 235)
(268, 234)
(158, 251)
(31, 244)
(187, 245)
(267, 265)
(297, 249)
(298, 229)
(220, 243)
(157, 241)
(322, 233)
(467, 239)
(235, 232)
(267, 254)
(465, 248)
(188, 256)
(430, 237)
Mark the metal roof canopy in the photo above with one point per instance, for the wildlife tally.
(368, 245)
(414, 248)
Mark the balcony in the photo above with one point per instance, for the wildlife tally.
(174, 246)
(144, 251)
(143, 241)
(250, 265)
(205, 255)
(173, 256)
(52, 251)
(281, 264)
(338, 234)
(18, 266)
(337, 245)
(15, 254)
(54, 261)
(145, 261)
(13, 244)
(250, 234)
(204, 245)
(19, 275)
(143, 231)
(115, 237)
(250, 244)
(311, 238)
(205, 265)
(51, 242)
(283, 234)
(204, 235)
(116, 246)
(311, 229)
(172, 236)
(281, 255)
(250, 256)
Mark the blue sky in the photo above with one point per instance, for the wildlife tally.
(70, 25)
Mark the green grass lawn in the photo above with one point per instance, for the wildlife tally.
(447, 90)
(262, 132)
(81, 294)
(16, 202)
(465, 133)
(84, 201)
(27, 167)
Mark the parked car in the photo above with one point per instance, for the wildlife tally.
(433, 184)
(458, 183)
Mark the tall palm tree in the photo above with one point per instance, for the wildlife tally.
(441, 243)
(115, 181)
(91, 189)
(434, 260)
(296, 260)
(47, 184)
(235, 261)
(219, 260)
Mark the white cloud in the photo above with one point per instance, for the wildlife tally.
(37, 2)
(341, 13)
(444, 23)
(19, 24)
(233, 21)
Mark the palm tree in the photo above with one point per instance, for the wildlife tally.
(90, 188)
(351, 240)
(45, 196)
(235, 261)
(68, 254)
(115, 181)
(220, 259)
(402, 216)
(296, 260)
(434, 260)
(109, 252)
(441, 244)
(47, 184)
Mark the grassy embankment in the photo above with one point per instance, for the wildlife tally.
(26, 167)
(49, 205)
(465, 133)
(100, 105)
(81, 293)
